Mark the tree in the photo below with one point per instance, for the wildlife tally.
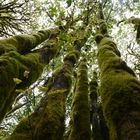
(80, 114)
(114, 96)
(14, 16)
(122, 98)
(19, 71)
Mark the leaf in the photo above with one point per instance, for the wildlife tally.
(19, 90)
(69, 2)
(43, 89)
(53, 11)
(26, 73)
(17, 81)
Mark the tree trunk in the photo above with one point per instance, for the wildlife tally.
(80, 114)
(47, 121)
(20, 71)
(94, 117)
(120, 92)
(25, 43)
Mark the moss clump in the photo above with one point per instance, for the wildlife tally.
(119, 88)
(51, 123)
(103, 27)
(72, 56)
(6, 47)
(80, 114)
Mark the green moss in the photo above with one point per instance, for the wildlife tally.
(6, 47)
(47, 121)
(80, 123)
(12, 66)
(119, 87)
(72, 56)
(51, 123)
(23, 43)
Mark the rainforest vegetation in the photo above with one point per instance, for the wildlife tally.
(69, 70)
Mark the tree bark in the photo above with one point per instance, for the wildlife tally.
(47, 121)
(20, 71)
(80, 114)
(25, 43)
(94, 117)
(120, 92)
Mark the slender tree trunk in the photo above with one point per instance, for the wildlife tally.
(120, 91)
(103, 126)
(136, 22)
(80, 114)
(99, 127)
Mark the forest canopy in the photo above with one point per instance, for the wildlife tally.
(70, 69)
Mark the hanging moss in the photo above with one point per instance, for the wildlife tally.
(119, 90)
(80, 114)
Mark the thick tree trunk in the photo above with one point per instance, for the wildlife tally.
(20, 71)
(80, 114)
(120, 92)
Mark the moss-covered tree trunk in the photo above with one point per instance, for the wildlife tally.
(20, 71)
(136, 23)
(99, 127)
(80, 113)
(94, 117)
(25, 43)
(120, 91)
(47, 121)
(103, 126)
